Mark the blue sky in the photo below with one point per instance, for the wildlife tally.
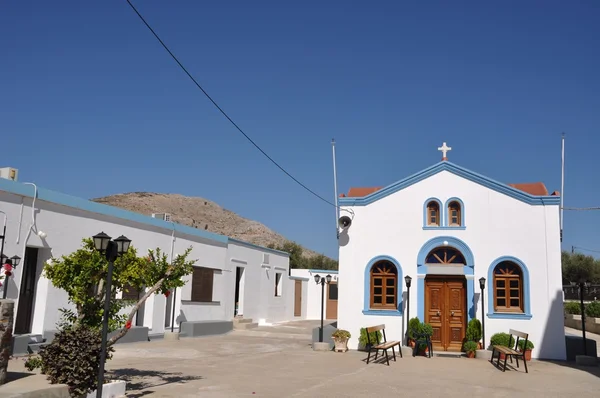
(91, 105)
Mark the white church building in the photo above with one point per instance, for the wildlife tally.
(446, 228)
(230, 278)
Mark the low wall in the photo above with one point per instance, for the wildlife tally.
(592, 325)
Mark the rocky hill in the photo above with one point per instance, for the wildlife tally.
(198, 213)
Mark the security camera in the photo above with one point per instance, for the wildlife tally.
(344, 222)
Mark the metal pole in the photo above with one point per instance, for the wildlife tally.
(322, 304)
(105, 327)
(581, 286)
(407, 312)
(562, 186)
(482, 318)
(1, 253)
(173, 310)
(335, 191)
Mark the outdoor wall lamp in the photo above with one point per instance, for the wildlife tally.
(482, 287)
(408, 281)
(322, 280)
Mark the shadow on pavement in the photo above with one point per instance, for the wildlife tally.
(140, 379)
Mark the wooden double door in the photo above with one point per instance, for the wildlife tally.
(446, 311)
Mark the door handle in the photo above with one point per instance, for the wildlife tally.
(438, 313)
(452, 313)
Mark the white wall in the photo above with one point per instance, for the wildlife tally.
(313, 291)
(67, 226)
(496, 225)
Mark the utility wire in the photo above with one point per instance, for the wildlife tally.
(581, 208)
(222, 111)
(584, 249)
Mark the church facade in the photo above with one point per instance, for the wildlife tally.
(448, 229)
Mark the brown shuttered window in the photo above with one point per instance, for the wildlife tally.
(202, 285)
(130, 293)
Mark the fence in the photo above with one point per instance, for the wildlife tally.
(591, 293)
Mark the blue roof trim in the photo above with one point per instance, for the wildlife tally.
(459, 171)
(47, 195)
(252, 245)
(323, 271)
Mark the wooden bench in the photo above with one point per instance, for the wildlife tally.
(510, 352)
(381, 345)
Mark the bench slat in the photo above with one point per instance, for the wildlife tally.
(372, 329)
(506, 350)
(386, 345)
(517, 333)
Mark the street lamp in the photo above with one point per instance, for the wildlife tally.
(111, 249)
(322, 280)
(9, 265)
(582, 286)
(482, 287)
(407, 280)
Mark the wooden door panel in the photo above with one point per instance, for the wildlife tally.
(332, 301)
(456, 314)
(298, 298)
(445, 311)
(434, 302)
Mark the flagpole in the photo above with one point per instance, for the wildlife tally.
(335, 191)
(562, 186)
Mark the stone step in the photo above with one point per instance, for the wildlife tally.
(242, 320)
(245, 325)
(34, 348)
(36, 338)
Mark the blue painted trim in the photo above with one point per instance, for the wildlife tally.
(264, 249)
(471, 298)
(421, 299)
(526, 296)
(426, 214)
(439, 242)
(462, 213)
(445, 228)
(382, 312)
(47, 195)
(459, 171)
(367, 286)
(323, 271)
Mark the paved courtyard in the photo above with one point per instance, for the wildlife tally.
(279, 362)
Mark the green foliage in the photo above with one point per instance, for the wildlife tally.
(593, 309)
(474, 330)
(341, 334)
(427, 329)
(522, 343)
(470, 346)
(297, 259)
(82, 275)
(503, 339)
(572, 307)
(72, 358)
(414, 327)
(577, 267)
(34, 362)
(374, 337)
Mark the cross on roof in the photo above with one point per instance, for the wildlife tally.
(444, 149)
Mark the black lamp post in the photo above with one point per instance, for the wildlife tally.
(582, 286)
(482, 287)
(322, 280)
(112, 249)
(407, 280)
(9, 264)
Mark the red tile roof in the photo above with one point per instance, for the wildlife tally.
(534, 188)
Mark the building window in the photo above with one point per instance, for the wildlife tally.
(445, 255)
(433, 214)
(202, 285)
(130, 293)
(508, 287)
(384, 282)
(278, 284)
(454, 210)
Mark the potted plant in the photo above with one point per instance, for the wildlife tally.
(425, 329)
(474, 332)
(340, 339)
(363, 342)
(470, 348)
(414, 326)
(502, 339)
(527, 349)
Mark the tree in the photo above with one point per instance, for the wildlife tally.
(298, 260)
(82, 275)
(577, 266)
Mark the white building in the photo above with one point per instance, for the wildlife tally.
(327, 295)
(446, 227)
(42, 224)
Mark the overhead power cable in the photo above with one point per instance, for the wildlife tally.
(585, 250)
(221, 109)
(581, 208)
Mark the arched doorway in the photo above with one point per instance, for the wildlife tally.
(445, 298)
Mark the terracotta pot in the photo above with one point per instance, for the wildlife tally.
(471, 354)
(501, 356)
(411, 343)
(528, 355)
(479, 345)
(341, 345)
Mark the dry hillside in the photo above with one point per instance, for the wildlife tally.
(198, 213)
